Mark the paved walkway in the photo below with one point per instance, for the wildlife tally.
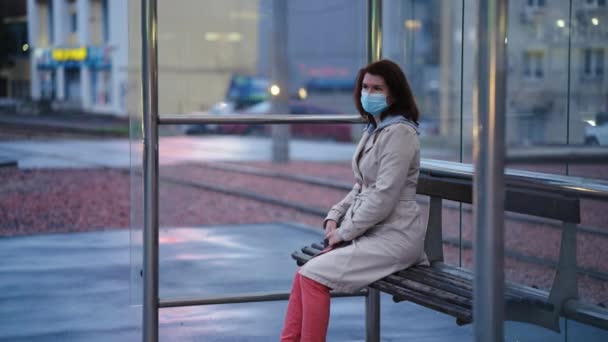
(75, 287)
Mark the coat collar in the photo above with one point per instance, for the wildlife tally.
(391, 120)
(370, 130)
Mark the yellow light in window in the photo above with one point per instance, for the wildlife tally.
(412, 24)
(595, 21)
(561, 23)
(275, 90)
(234, 37)
(212, 36)
(302, 93)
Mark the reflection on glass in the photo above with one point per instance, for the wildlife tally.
(221, 63)
(425, 39)
(556, 95)
(215, 58)
(537, 81)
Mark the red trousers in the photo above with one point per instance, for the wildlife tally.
(307, 312)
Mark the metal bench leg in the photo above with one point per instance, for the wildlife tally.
(372, 315)
(565, 284)
(433, 241)
(563, 289)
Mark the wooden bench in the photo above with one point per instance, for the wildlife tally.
(448, 289)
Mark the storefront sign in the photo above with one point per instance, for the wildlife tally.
(70, 54)
(96, 57)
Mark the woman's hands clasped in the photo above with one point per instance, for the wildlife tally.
(331, 232)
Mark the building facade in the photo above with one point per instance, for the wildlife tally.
(556, 79)
(556, 57)
(79, 53)
(202, 45)
(14, 63)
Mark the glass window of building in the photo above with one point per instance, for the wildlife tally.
(595, 3)
(72, 22)
(533, 64)
(593, 63)
(104, 21)
(45, 23)
(536, 3)
(97, 22)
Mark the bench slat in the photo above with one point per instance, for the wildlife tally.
(310, 251)
(439, 274)
(512, 293)
(318, 246)
(423, 289)
(436, 283)
(404, 294)
(552, 205)
(524, 293)
(300, 257)
(432, 273)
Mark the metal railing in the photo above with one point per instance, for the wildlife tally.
(242, 298)
(568, 185)
(258, 119)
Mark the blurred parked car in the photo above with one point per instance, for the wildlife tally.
(243, 92)
(221, 108)
(597, 131)
(334, 131)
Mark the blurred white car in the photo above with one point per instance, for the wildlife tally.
(596, 133)
(220, 108)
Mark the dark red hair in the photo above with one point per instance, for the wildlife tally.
(401, 98)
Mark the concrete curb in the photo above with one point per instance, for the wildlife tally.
(62, 124)
(8, 162)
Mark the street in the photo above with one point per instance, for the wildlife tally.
(116, 153)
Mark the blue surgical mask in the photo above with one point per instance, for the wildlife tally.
(374, 104)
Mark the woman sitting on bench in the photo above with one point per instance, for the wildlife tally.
(376, 229)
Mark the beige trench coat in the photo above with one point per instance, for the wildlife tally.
(379, 216)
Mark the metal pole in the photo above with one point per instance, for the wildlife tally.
(374, 30)
(488, 153)
(374, 53)
(150, 164)
(280, 78)
(372, 316)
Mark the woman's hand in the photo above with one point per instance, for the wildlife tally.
(330, 225)
(333, 237)
(331, 232)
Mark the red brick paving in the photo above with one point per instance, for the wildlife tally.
(53, 201)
